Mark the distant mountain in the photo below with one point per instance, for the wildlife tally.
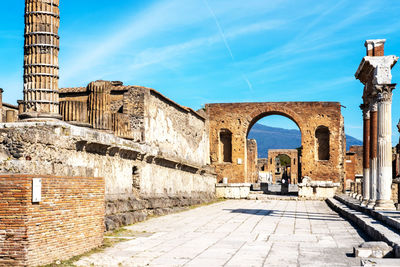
(278, 138)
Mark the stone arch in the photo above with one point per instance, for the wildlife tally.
(273, 110)
(292, 154)
(240, 117)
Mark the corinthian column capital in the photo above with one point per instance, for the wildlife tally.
(365, 109)
(384, 92)
(373, 106)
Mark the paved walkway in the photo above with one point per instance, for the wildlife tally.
(238, 233)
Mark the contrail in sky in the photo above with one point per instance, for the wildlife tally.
(220, 29)
(221, 32)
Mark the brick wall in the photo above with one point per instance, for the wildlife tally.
(350, 167)
(358, 159)
(68, 221)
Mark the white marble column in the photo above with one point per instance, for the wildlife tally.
(366, 146)
(373, 161)
(384, 190)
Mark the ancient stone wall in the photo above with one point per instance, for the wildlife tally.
(262, 164)
(174, 130)
(67, 221)
(140, 114)
(252, 160)
(294, 161)
(238, 118)
(9, 113)
(395, 196)
(138, 180)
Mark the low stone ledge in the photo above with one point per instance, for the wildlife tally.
(317, 189)
(324, 184)
(129, 211)
(232, 190)
(390, 218)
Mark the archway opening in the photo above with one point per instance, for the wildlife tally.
(225, 137)
(278, 140)
(322, 135)
(283, 168)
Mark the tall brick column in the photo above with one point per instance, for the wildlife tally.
(383, 199)
(373, 150)
(41, 48)
(366, 146)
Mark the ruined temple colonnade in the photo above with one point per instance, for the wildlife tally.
(375, 73)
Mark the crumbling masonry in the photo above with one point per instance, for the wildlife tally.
(110, 154)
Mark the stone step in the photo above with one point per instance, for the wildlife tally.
(390, 218)
(376, 229)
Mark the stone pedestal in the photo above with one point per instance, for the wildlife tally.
(383, 201)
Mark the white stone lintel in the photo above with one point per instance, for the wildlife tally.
(378, 67)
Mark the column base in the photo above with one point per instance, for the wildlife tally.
(39, 116)
(384, 205)
(364, 202)
(371, 204)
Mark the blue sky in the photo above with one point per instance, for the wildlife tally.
(199, 51)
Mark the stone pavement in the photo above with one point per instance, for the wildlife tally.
(239, 233)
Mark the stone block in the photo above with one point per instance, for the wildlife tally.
(232, 191)
(375, 249)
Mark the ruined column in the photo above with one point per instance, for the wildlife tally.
(10, 116)
(99, 105)
(383, 198)
(375, 73)
(1, 104)
(20, 106)
(41, 60)
(75, 112)
(366, 146)
(373, 161)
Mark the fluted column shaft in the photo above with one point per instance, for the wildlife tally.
(99, 104)
(366, 148)
(41, 59)
(383, 201)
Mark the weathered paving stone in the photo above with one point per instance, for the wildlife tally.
(238, 233)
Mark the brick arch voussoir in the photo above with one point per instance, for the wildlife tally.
(260, 112)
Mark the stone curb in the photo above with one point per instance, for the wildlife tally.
(383, 216)
(374, 228)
